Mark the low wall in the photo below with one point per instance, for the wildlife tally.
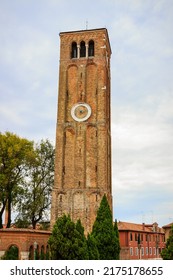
(26, 240)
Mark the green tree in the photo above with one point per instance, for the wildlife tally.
(36, 199)
(11, 254)
(104, 233)
(167, 252)
(15, 153)
(68, 241)
(93, 252)
(118, 248)
(22, 223)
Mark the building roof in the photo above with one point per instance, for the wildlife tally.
(126, 226)
(132, 227)
(83, 30)
(168, 225)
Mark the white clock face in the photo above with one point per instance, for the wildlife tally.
(81, 112)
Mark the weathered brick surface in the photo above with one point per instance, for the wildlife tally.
(83, 149)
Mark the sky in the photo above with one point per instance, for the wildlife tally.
(141, 40)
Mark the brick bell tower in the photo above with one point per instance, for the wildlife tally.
(83, 133)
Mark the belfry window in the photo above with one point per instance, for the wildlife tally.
(82, 49)
(74, 50)
(91, 48)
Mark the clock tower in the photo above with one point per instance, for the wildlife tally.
(83, 132)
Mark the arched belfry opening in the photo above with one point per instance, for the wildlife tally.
(74, 50)
(91, 48)
(82, 49)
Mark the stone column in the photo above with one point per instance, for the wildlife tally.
(78, 51)
(86, 50)
(24, 255)
(1, 254)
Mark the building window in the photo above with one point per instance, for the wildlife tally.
(157, 251)
(74, 50)
(91, 48)
(139, 239)
(82, 49)
(150, 251)
(131, 251)
(146, 250)
(142, 251)
(131, 236)
(136, 237)
(154, 251)
(136, 251)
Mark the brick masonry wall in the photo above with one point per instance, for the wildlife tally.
(83, 149)
(23, 239)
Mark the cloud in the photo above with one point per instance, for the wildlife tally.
(142, 157)
(142, 88)
(29, 64)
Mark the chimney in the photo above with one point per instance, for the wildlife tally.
(143, 226)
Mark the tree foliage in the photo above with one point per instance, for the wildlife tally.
(167, 252)
(26, 178)
(93, 252)
(118, 248)
(11, 254)
(68, 241)
(36, 198)
(15, 153)
(103, 231)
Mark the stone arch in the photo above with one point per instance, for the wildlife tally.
(82, 49)
(12, 252)
(37, 252)
(42, 252)
(91, 48)
(31, 252)
(74, 50)
(47, 252)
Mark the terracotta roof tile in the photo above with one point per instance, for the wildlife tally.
(135, 227)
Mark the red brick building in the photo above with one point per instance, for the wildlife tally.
(140, 241)
(167, 230)
(28, 242)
